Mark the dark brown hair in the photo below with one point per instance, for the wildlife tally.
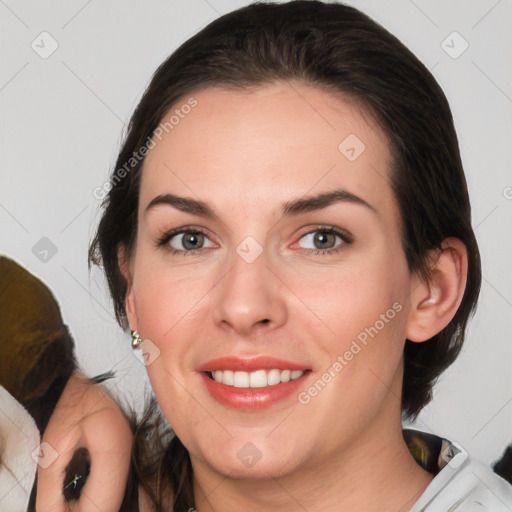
(340, 49)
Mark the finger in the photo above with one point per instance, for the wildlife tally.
(109, 439)
(86, 416)
(57, 454)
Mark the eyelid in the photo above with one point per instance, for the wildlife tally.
(346, 240)
(164, 237)
(346, 237)
(342, 233)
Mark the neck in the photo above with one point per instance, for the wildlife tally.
(373, 472)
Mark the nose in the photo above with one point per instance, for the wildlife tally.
(249, 297)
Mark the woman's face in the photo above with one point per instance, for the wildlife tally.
(274, 281)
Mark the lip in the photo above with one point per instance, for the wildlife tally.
(250, 364)
(252, 399)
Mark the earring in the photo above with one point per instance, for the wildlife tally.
(136, 341)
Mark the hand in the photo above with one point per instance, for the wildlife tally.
(86, 416)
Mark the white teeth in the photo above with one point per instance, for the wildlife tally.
(273, 377)
(256, 379)
(241, 380)
(228, 377)
(285, 375)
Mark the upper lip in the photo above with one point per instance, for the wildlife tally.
(249, 364)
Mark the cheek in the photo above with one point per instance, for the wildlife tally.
(167, 297)
(347, 301)
(362, 314)
(360, 337)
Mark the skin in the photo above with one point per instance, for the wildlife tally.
(246, 153)
(86, 416)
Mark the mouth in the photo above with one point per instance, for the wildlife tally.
(262, 378)
(253, 384)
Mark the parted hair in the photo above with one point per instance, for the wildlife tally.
(343, 51)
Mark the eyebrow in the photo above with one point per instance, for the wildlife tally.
(289, 208)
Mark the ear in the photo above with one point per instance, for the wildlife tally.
(434, 302)
(126, 267)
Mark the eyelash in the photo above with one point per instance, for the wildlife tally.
(164, 240)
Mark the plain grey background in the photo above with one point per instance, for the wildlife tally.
(72, 73)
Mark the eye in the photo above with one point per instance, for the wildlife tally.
(189, 241)
(323, 239)
(183, 241)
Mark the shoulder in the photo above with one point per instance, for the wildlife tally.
(486, 491)
(465, 485)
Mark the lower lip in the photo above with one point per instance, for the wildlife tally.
(252, 399)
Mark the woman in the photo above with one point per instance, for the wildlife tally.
(288, 235)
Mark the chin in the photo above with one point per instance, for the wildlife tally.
(245, 459)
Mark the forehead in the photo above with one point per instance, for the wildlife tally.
(268, 144)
